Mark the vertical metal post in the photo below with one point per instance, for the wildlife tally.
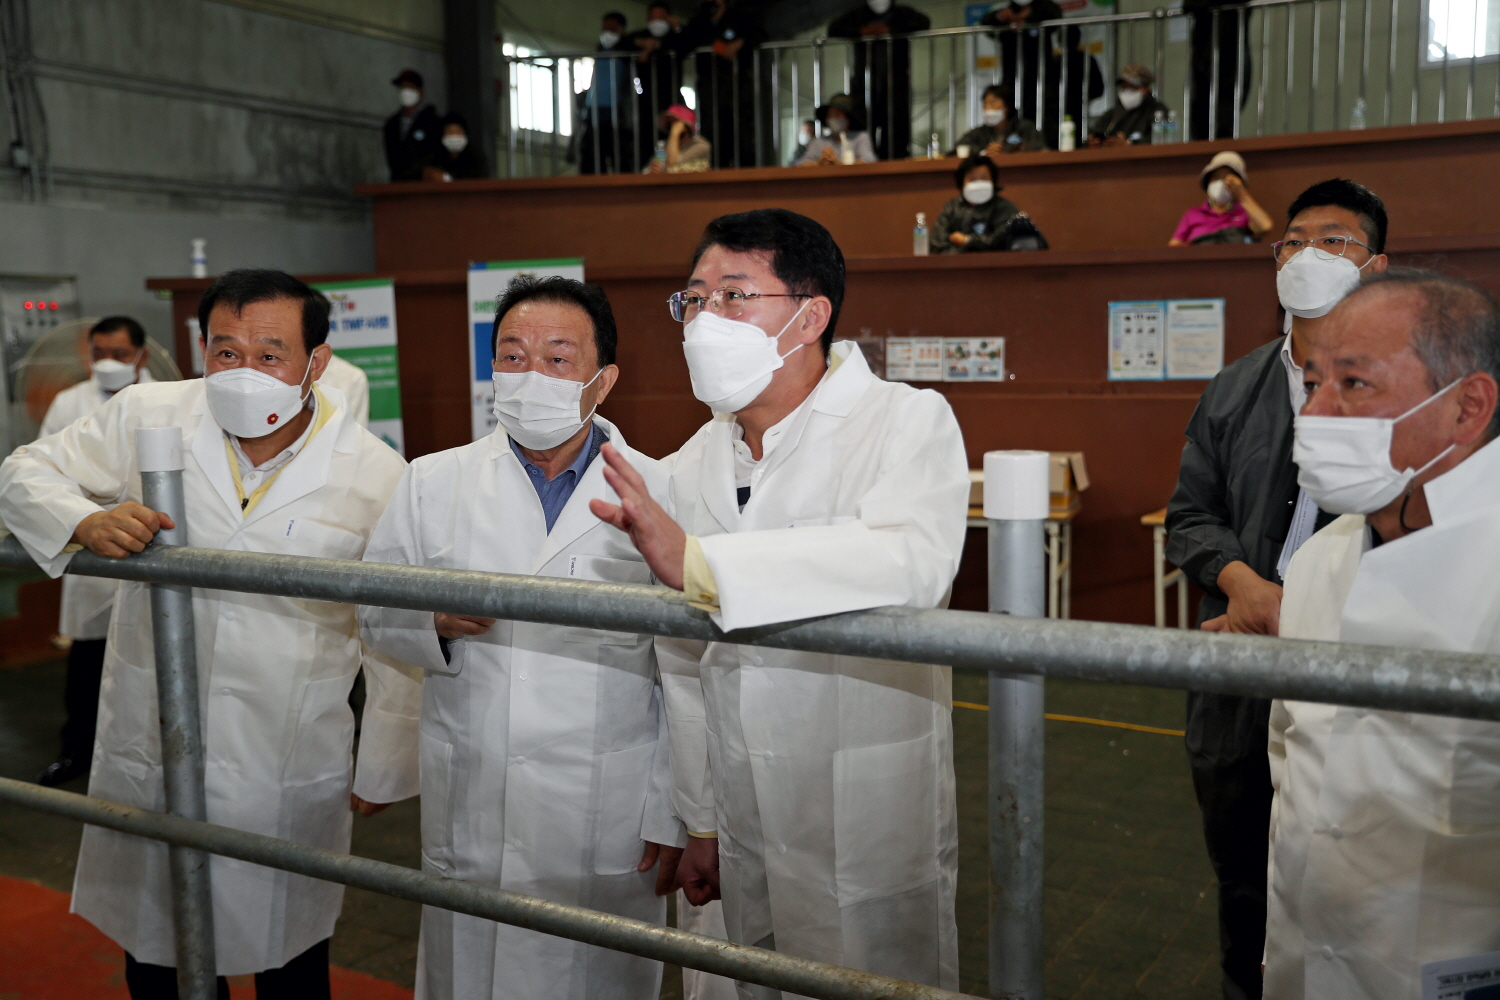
(1390, 70)
(1016, 505)
(159, 451)
(1312, 90)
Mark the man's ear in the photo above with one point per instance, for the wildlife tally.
(815, 319)
(321, 355)
(608, 376)
(1478, 395)
(1378, 263)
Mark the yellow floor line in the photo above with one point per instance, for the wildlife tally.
(1090, 722)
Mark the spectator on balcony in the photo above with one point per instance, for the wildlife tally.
(411, 134)
(1002, 131)
(805, 134)
(660, 47)
(1230, 215)
(888, 61)
(979, 219)
(1030, 55)
(457, 158)
(726, 76)
(606, 145)
(847, 140)
(1221, 36)
(686, 151)
(1129, 122)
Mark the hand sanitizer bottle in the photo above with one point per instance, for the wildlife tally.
(919, 244)
(1067, 135)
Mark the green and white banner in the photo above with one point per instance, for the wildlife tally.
(487, 281)
(362, 331)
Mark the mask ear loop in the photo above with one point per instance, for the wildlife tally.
(788, 324)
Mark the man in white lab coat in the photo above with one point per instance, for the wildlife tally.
(545, 768)
(117, 358)
(1385, 851)
(819, 788)
(271, 465)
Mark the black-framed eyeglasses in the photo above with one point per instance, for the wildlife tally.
(728, 302)
(1338, 246)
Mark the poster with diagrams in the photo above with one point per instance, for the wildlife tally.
(1137, 340)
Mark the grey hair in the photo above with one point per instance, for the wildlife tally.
(1458, 327)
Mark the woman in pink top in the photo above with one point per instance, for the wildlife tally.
(1230, 215)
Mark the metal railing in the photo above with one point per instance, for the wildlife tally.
(1017, 651)
(1263, 67)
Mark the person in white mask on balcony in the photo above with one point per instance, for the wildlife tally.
(272, 464)
(545, 769)
(818, 789)
(1385, 852)
(1233, 523)
(117, 358)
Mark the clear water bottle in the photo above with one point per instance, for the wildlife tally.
(200, 258)
(1158, 129)
(661, 152)
(919, 245)
(1171, 128)
(934, 148)
(1067, 135)
(1357, 113)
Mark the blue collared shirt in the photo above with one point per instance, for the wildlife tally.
(555, 493)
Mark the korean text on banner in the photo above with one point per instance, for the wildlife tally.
(487, 283)
(362, 331)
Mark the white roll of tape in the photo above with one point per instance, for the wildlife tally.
(1016, 485)
(159, 449)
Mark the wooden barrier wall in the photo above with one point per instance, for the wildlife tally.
(1436, 180)
(1052, 309)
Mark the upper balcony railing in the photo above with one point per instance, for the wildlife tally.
(1265, 67)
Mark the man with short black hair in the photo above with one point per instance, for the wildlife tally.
(818, 789)
(1385, 852)
(545, 770)
(118, 357)
(1233, 523)
(272, 464)
(412, 135)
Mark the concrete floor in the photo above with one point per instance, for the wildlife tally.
(1129, 893)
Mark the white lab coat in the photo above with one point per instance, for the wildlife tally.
(274, 673)
(831, 777)
(351, 380)
(86, 600)
(544, 762)
(1385, 850)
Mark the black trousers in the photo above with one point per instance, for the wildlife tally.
(81, 698)
(1232, 781)
(1226, 33)
(303, 978)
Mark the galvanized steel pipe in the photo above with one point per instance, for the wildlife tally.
(607, 930)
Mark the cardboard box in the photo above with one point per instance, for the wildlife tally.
(1067, 478)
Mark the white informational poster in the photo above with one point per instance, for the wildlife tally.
(1473, 977)
(914, 359)
(898, 355)
(1195, 338)
(1136, 340)
(362, 331)
(487, 283)
(973, 359)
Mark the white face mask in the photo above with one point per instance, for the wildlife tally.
(1314, 281)
(993, 117)
(879, 7)
(608, 39)
(731, 361)
(455, 144)
(538, 411)
(1219, 193)
(251, 404)
(1130, 98)
(410, 97)
(979, 192)
(1344, 463)
(113, 375)
(658, 28)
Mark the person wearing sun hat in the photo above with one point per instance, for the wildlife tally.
(846, 140)
(1230, 215)
(1136, 107)
(686, 151)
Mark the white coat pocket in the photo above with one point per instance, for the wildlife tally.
(436, 762)
(305, 536)
(885, 818)
(622, 805)
(606, 570)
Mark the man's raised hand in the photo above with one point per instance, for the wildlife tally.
(660, 540)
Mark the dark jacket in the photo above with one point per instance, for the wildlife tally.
(991, 226)
(1018, 136)
(1136, 125)
(406, 153)
(467, 165)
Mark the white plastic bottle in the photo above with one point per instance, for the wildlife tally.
(200, 258)
(934, 148)
(919, 245)
(1357, 114)
(846, 150)
(1067, 135)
